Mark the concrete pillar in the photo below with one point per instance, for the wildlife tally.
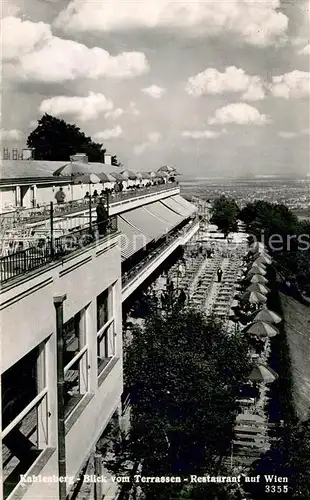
(18, 196)
(91, 340)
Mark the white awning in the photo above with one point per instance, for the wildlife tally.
(132, 240)
(149, 225)
(175, 206)
(191, 209)
(170, 218)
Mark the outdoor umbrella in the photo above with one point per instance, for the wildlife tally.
(87, 179)
(253, 297)
(262, 253)
(163, 174)
(73, 169)
(258, 278)
(152, 175)
(168, 169)
(263, 373)
(118, 176)
(267, 315)
(258, 246)
(129, 174)
(105, 177)
(258, 287)
(262, 260)
(261, 329)
(144, 175)
(257, 270)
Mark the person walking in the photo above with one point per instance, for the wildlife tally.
(219, 275)
(60, 196)
(102, 217)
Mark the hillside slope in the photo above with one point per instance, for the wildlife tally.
(297, 327)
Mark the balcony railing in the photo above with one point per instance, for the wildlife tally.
(48, 250)
(21, 216)
(156, 252)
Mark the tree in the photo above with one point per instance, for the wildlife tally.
(54, 139)
(184, 373)
(288, 457)
(291, 253)
(225, 213)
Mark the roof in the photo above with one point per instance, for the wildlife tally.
(29, 169)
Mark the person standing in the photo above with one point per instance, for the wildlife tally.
(219, 275)
(60, 196)
(102, 217)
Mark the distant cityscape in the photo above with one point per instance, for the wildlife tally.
(294, 193)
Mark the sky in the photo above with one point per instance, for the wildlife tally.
(215, 87)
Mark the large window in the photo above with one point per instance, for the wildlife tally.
(105, 328)
(24, 416)
(75, 360)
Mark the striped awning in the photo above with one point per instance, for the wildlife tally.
(176, 207)
(132, 240)
(191, 209)
(179, 205)
(164, 213)
(147, 223)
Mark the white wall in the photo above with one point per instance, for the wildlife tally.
(28, 315)
(28, 318)
(7, 197)
(45, 194)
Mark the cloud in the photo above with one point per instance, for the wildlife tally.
(82, 108)
(238, 113)
(9, 9)
(202, 134)
(257, 23)
(293, 85)
(114, 114)
(255, 91)
(133, 109)
(287, 135)
(211, 81)
(40, 56)
(152, 138)
(305, 51)
(22, 37)
(11, 135)
(33, 123)
(154, 91)
(112, 133)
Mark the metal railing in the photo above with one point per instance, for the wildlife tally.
(153, 254)
(20, 215)
(49, 250)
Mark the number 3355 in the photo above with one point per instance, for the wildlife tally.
(276, 489)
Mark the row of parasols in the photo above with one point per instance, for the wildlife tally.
(262, 322)
(82, 173)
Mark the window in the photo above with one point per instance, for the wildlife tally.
(105, 327)
(24, 416)
(102, 309)
(75, 361)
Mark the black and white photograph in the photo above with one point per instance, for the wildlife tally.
(155, 250)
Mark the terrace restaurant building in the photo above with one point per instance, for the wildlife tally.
(62, 289)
